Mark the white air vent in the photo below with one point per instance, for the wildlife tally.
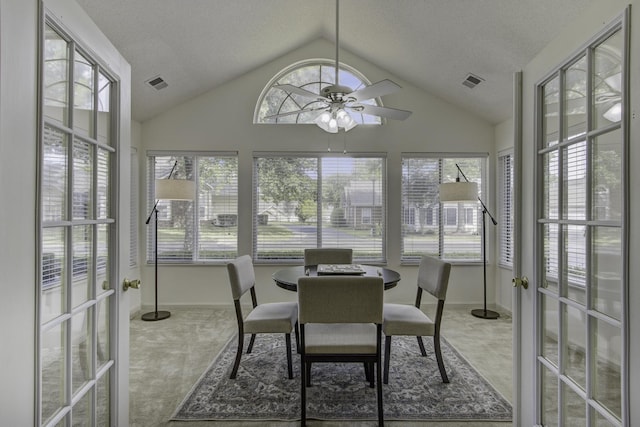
(157, 83)
(472, 81)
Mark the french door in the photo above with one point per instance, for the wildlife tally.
(79, 302)
(580, 310)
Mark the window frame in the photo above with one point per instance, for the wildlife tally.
(197, 218)
(378, 232)
(345, 71)
(437, 215)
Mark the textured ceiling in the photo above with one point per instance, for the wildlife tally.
(197, 45)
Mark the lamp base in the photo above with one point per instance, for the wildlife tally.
(156, 315)
(485, 314)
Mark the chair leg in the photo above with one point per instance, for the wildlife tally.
(379, 394)
(436, 348)
(236, 364)
(387, 356)
(308, 370)
(303, 392)
(297, 332)
(251, 341)
(287, 340)
(421, 345)
(371, 374)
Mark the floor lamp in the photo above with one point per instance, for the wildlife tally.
(468, 191)
(166, 189)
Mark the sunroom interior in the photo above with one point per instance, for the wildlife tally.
(270, 184)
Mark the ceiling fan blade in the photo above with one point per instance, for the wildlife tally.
(299, 91)
(291, 113)
(389, 113)
(383, 87)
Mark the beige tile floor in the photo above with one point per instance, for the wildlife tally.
(167, 357)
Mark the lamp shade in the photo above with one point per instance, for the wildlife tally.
(175, 189)
(459, 191)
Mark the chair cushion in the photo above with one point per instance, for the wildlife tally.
(277, 317)
(402, 319)
(340, 338)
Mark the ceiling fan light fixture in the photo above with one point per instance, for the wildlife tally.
(332, 122)
(327, 122)
(345, 120)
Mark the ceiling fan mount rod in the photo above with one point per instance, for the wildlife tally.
(337, 38)
(337, 100)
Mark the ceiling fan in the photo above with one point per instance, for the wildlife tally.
(333, 104)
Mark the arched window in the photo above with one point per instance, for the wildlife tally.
(312, 75)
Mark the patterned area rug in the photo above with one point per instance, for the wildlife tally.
(261, 390)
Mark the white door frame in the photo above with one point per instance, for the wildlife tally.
(516, 301)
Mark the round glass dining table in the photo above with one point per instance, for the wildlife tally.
(287, 278)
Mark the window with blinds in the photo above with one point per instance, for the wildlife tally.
(133, 224)
(451, 230)
(505, 209)
(315, 200)
(202, 230)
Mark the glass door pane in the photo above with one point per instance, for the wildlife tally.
(607, 81)
(575, 98)
(83, 87)
(55, 76)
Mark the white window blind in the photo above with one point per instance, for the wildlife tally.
(202, 230)
(575, 208)
(505, 212)
(133, 202)
(449, 230)
(311, 200)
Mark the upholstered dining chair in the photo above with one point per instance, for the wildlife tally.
(279, 317)
(401, 319)
(340, 320)
(315, 256)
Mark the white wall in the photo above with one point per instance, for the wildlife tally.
(18, 118)
(222, 120)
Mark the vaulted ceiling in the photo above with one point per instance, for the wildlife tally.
(197, 45)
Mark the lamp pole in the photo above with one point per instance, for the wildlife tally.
(157, 315)
(483, 313)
